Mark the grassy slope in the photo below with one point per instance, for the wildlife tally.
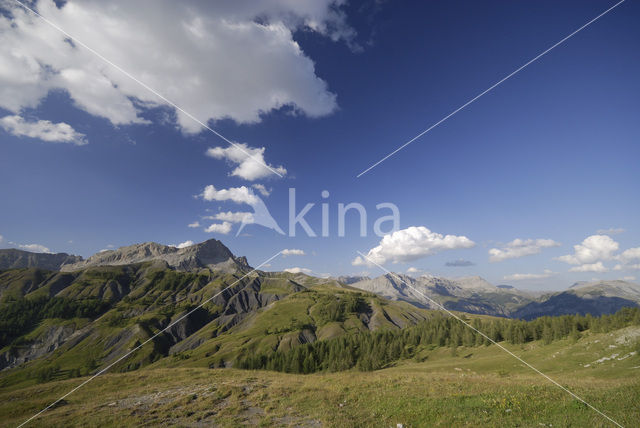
(304, 309)
(478, 386)
(282, 324)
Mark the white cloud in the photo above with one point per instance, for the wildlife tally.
(411, 244)
(1, 238)
(522, 276)
(610, 231)
(35, 248)
(292, 252)
(194, 224)
(627, 259)
(520, 248)
(299, 270)
(590, 267)
(631, 266)
(262, 189)
(413, 270)
(629, 278)
(239, 195)
(223, 228)
(250, 161)
(216, 60)
(233, 217)
(632, 254)
(594, 248)
(184, 244)
(42, 130)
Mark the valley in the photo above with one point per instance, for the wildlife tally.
(198, 327)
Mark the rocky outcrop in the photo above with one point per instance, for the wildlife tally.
(209, 254)
(18, 259)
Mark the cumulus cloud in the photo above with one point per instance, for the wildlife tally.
(632, 254)
(262, 189)
(410, 244)
(239, 195)
(194, 224)
(413, 270)
(299, 270)
(42, 130)
(631, 266)
(593, 249)
(216, 60)
(184, 244)
(250, 161)
(628, 259)
(629, 278)
(233, 217)
(293, 252)
(1, 238)
(590, 267)
(35, 248)
(520, 248)
(610, 231)
(223, 228)
(459, 263)
(523, 276)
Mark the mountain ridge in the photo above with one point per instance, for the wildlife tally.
(476, 295)
(211, 253)
(13, 258)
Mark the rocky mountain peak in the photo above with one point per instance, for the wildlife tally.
(211, 253)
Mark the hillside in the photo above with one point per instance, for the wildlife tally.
(59, 326)
(84, 319)
(483, 386)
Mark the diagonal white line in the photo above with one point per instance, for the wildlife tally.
(150, 89)
(490, 339)
(148, 340)
(490, 88)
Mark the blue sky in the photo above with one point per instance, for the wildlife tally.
(549, 158)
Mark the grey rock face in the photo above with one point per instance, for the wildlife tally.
(18, 259)
(212, 254)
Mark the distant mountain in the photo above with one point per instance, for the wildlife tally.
(348, 280)
(595, 298)
(209, 254)
(475, 295)
(18, 259)
(469, 294)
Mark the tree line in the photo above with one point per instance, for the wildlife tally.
(368, 351)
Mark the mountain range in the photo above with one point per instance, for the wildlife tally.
(476, 295)
(468, 294)
(97, 309)
(58, 309)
